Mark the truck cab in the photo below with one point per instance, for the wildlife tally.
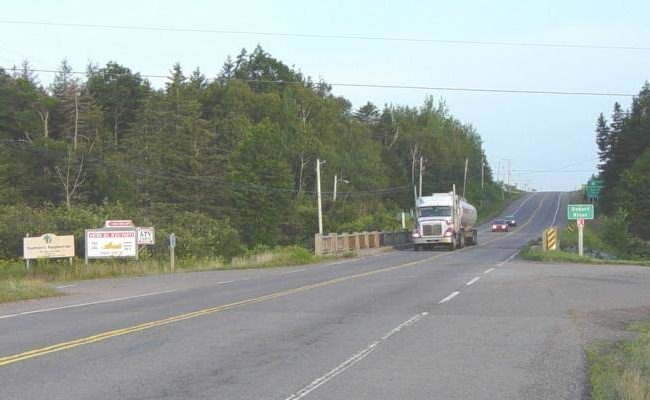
(444, 219)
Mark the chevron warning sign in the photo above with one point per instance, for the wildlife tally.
(551, 239)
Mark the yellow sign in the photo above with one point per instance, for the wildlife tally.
(570, 228)
(48, 246)
(551, 240)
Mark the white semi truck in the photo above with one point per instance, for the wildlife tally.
(444, 219)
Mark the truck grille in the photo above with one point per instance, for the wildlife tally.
(432, 230)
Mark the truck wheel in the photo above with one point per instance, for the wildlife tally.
(461, 243)
(416, 247)
(452, 246)
(475, 238)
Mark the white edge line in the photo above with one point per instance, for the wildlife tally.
(315, 384)
(451, 296)
(559, 198)
(294, 271)
(487, 271)
(473, 281)
(43, 310)
(65, 286)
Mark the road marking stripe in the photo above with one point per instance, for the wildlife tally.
(559, 198)
(446, 299)
(42, 310)
(315, 384)
(473, 281)
(487, 271)
(293, 272)
(65, 286)
(224, 282)
(149, 325)
(522, 204)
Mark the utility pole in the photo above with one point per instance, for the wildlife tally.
(335, 181)
(499, 171)
(421, 160)
(509, 173)
(320, 203)
(465, 176)
(482, 170)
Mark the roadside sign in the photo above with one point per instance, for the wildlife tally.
(172, 240)
(581, 223)
(111, 242)
(48, 246)
(580, 211)
(146, 236)
(119, 223)
(551, 239)
(570, 228)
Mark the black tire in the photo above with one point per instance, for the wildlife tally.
(417, 247)
(475, 238)
(452, 245)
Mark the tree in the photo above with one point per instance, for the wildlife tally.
(119, 92)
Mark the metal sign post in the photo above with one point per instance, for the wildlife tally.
(581, 226)
(172, 245)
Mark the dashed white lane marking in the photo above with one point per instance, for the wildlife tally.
(451, 296)
(487, 271)
(65, 286)
(353, 360)
(224, 282)
(522, 204)
(473, 281)
(294, 271)
(92, 303)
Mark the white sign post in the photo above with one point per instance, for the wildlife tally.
(581, 227)
(111, 243)
(172, 246)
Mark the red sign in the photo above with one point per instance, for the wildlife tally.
(119, 223)
(581, 223)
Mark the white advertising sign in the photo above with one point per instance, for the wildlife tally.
(119, 223)
(108, 243)
(146, 236)
(48, 246)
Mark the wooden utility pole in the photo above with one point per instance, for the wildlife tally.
(465, 176)
(320, 203)
(482, 171)
(421, 161)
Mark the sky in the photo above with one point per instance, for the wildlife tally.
(536, 132)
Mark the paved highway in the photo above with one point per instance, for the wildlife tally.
(472, 324)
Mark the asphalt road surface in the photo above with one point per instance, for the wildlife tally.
(473, 324)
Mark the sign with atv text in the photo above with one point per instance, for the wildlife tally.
(580, 211)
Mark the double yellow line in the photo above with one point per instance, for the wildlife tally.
(212, 310)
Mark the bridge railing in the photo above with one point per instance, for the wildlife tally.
(334, 243)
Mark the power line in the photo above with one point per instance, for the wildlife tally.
(389, 86)
(329, 36)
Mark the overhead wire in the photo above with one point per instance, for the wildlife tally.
(326, 36)
(395, 86)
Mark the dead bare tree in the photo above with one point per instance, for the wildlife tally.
(72, 176)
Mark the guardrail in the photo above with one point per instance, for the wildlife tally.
(345, 242)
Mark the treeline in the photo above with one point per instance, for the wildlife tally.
(239, 149)
(624, 152)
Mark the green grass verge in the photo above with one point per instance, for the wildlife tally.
(24, 289)
(621, 370)
(534, 253)
(62, 271)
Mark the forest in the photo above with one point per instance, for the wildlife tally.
(624, 152)
(228, 163)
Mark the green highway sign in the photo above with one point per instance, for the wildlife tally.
(580, 211)
(594, 186)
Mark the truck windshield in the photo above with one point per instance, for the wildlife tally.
(435, 211)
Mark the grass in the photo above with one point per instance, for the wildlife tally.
(621, 370)
(62, 271)
(23, 289)
(535, 253)
(16, 283)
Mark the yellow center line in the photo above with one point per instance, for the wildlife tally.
(207, 311)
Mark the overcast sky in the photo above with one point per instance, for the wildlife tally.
(535, 131)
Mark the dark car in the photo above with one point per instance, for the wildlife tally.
(500, 225)
(511, 220)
